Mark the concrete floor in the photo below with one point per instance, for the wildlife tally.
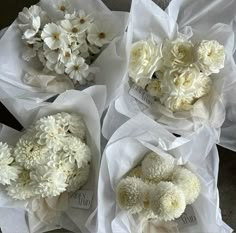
(227, 175)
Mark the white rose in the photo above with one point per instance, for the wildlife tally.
(178, 52)
(144, 59)
(211, 56)
(154, 88)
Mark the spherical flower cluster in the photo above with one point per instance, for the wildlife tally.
(67, 46)
(177, 73)
(157, 189)
(51, 157)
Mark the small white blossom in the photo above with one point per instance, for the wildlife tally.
(156, 168)
(144, 60)
(21, 188)
(30, 49)
(65, 55)
(72, 27)
(8, 171)
(63, 6)
(77, 69)
(167, 201)
(154, 88)
(188, 183)
(130, 193)
(211, 56)
(53, 36)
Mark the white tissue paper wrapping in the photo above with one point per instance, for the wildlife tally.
(191, 20)
(126, 149)
(62, 212)
(110, 63)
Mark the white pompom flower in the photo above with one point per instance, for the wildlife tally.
(8, 171)
(21, 188)
(188, 183)
(77, 69)
(156, 168)
(54, 36)
(167, 201)
(130, 194)
(136, 172)
(48, 182)
(211, 56)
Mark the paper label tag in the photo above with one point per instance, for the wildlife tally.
(141, 95)
(81, 199)
(188, 218)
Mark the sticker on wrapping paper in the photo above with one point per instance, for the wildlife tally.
(81, 199)
(141, 95)
(188, 218)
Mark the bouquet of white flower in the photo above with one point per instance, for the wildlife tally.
(179, 65)
(151, 180)
(49, 172)
(62, 44)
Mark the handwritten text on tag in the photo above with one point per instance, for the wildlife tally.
(188, 218)
(81, 199)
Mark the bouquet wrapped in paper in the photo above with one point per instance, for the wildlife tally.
(49, 171)
(152, 181)
(58, 45)
(180, 65)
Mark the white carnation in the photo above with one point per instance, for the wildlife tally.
(156, 168)
(177, 53)
(144, 59)
(188, 183)
(21, 188)
(130, 194)
(48, 182)
(211, 56)
(167, 201)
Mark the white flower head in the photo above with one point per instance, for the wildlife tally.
(31, 48)
(48, 182)
(54, 36)
(154, 88)
(21, 188)
(99, 35)
(167, 201)
(130, 194)
(177, 53)
(63, 6)
(84, 19)
(8, 171)
(188, 183)
(77, 69)
(65, 55)
(156, 168)
(77, 178)
(210, 56)
(203, 85)
(145, 57)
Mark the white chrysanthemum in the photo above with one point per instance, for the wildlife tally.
(156, 168)
(167, 201)
(28, 153)
(99, 35)
(136, 172)
(76, 151)
(77, 69)
(130, 194)
(54, 37)
(8, 171)
(48, 182)
(144, 60)
(154, 88)
(178, 52)
(49, 132)
(77, 178)
(188, 183)
(179, 103)
(63, 6)
(21, 188)
(31, 20)
(210, 56)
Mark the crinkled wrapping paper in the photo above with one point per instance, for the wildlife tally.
(55, 213)
(13, 67)
(126, 149)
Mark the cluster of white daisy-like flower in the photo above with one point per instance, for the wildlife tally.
(157, 189)
(177, 73)
(51, 157)
(67, 46)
